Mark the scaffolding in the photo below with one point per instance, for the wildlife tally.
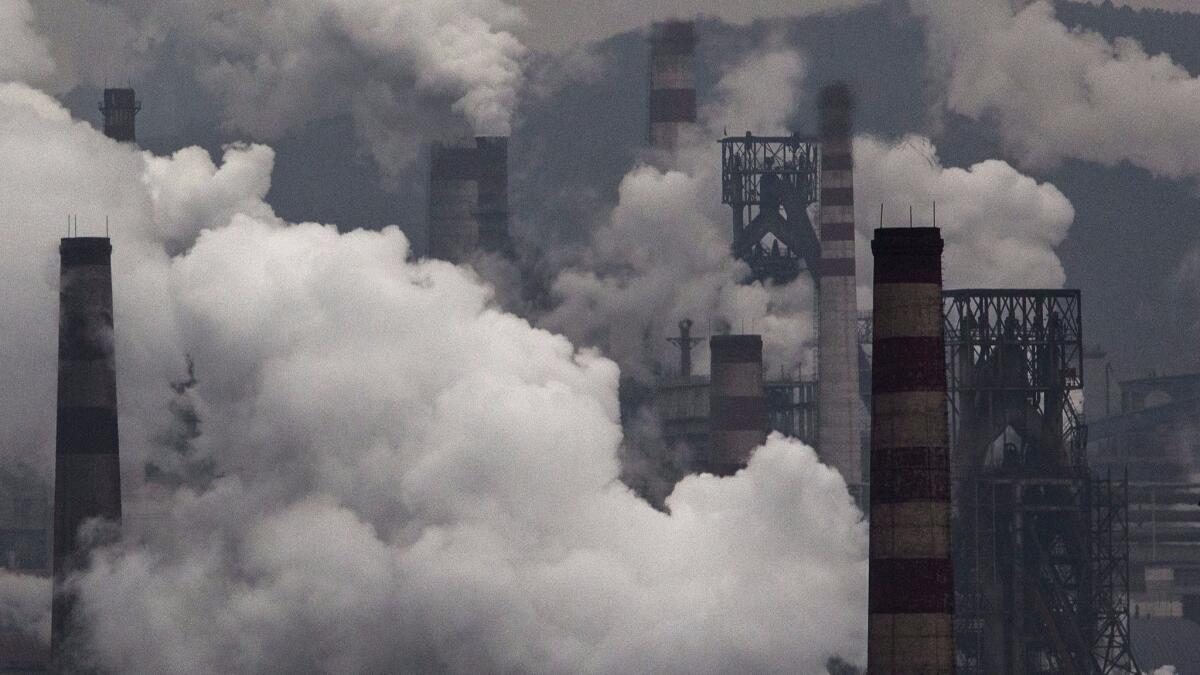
(1041, 546)
(770, 182)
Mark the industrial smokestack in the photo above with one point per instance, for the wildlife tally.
(839, 438)
(672, 82)
(87, 467)
(737, 408)
(468, 199)
(453, 202)
(492, 210)
(911, 596)
(120, 108)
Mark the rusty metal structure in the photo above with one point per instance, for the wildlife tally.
(1041, 549)
(911, 594)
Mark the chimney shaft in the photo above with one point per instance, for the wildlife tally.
(737, 409)
(911, 596)
(87, 475)
(120, 108)
(672, 82)
(468, 199)
(839, 437)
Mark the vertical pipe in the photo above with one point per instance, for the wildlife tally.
(87, 480)
(911, 596)
(120, 108)
(839, 439)
(672, 82)
(737, 409)
(454, 229)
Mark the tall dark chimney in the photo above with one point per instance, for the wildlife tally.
(737, 407)
(120, 108)
(911, 597)
(492, 211)
(87, 468)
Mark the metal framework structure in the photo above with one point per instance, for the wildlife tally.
(770, 181)
(1041, 550)
(792, 408)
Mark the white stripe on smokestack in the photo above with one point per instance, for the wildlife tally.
(453, 202)
(839, 438)
(910, 627)
(672, 82)
(737, 408)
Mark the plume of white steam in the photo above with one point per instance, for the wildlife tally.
(1057, 93)
(277, 65)
(1001, 227)
(664, 253)
(406, 477)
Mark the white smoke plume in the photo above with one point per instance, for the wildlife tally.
(664, 253)
(1058, 93)
(275, 65)
(405, 476)
(23, 605)
(1001, 227)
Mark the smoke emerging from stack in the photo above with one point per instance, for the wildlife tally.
(663, 254)
(402, 473)
(275, 66)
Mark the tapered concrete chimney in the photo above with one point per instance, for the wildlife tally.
(839, 438)
(672, 82)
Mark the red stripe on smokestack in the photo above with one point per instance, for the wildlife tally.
(839, 437)
(468, 199)
(672, 82)
(911, 597)
(737, 409)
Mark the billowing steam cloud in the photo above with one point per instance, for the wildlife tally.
(276, 65)
(664, 253)
(1000, 227)
(403, 474)
(1056, 93)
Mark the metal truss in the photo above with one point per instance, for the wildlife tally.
(1041, 561)
(770, 181)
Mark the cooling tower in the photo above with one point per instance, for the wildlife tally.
(672, 82)
(839, 438)
(120, 108)
(737, 409)
(911, 597)
(87, 468)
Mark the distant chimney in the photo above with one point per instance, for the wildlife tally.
(468, 199)
(911, 594)
(120, 108)
(839, 438)
(737, 408)
(87, 475)
(672, 82)
(492, 210)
